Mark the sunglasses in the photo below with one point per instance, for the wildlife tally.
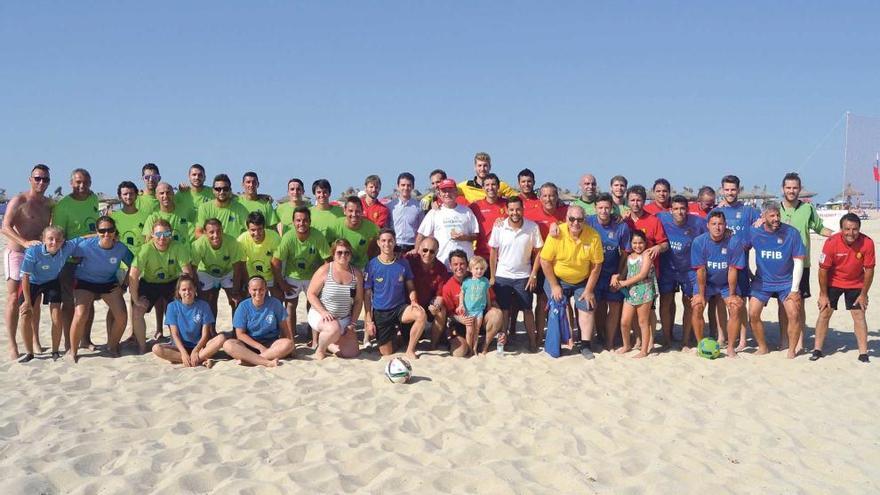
(432, 251)
(108, 230)
(222, 189)
(342, 253)
(40, 178)
(153, 177)
(575, 219)
(162, 234)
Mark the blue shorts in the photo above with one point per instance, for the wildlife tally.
(743, 285)
(764, 294)
(712, 291)
(603, 290)
(570, 290)
(667, 284)
(511, 293)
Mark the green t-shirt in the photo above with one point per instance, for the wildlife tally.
(130, 227)
(302, 258)
(146, 202)
(216, 262)
(590, 208)
(186, 203)
(323, 220)
(232, 216)
(181, 228)
(359, 238)
(76, 217)
(284, 212)
(804, 218)
(258, 257)
(161, 266)
(264, 207)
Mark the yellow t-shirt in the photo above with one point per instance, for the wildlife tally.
(473, 192)
(573, 259)
(258, 257)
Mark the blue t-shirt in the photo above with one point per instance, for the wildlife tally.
(615, 236)
(99, 265)
(189, 319)
(677, 260)
(388, 282)
(717, 257)
(774, 256)
(739, 217)
(261, 323)
(43, 267)
(476, 295)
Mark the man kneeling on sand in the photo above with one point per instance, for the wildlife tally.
(262, 331)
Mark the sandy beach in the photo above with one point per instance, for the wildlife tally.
(672, 423)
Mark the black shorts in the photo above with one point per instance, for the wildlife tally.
(264, 342)
(804, 287)
(51, 292)
(96, 289)
(849, 297)
(157, 292)
(388, 321)
(512, 294)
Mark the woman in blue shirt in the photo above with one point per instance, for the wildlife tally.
(96, 279)
(189, 321)
(262, 330)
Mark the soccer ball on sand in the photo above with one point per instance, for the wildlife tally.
(398, 370)
(708, 348)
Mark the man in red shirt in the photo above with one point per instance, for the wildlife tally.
(661, 201)
(429, 276)
(704, 204)
(846, 268)
(488, 211)
(526, 180)
(374, 210)
(550, 213)
(451, 289)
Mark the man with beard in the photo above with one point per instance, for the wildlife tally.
(374, 210)
(488, 211)
(253, 201)
(189, 197)
(359, 233)
(660, 203)
(619, 185)
(231, 214)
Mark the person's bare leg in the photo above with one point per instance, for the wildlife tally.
(84, 300)
(35, 324)
(822, 328)
(493, 321)
(732, 327)
(211, 297)
(686, 319)
(168, 352)
(330, 331)
(860, 325)
(458, 347)
(212, 347)
(12, 316)
(783, 326)
(718, 311)
(348, 346)
(745, 319)
(55, 316)
(667, 318)
(531, 333)
(792, 308)
(802, 324)
(27, 332)
(239, 351)
(612, 322)
(290, 305)
(626, 319)
(714, 327)
(116, 303)
(280, 349)
(643, 312)
(755, 309)
(138, 325)
(586, 320)
(417, 317)
(541, 316)
(697, 322)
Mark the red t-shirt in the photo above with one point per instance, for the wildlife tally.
(654, 208)
(450, 292)
(428, 281)
(544, 220)
(696, 209)
(530, 202)
(487, 214)
(653, 229)
(847, 264)
(376, 213)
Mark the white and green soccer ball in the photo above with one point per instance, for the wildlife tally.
(398, 370)
(708, 348)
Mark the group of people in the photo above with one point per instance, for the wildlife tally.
(455, 267)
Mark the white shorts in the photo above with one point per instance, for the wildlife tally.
(299, 287)
(210, 282)
(12, 264)
(315, 320)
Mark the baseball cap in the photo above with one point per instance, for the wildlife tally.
(447, 184)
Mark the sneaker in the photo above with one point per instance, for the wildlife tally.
(586, 352)
(863, 358)
(817, 354)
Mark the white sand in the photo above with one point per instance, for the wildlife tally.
(672, 423)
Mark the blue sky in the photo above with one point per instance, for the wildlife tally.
(687, 91)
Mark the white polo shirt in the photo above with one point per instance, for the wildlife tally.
(440, 224)
(515, 248)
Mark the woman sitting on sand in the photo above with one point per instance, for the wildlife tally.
(262, 330)
(96, 278)
(336, 292)
(189, 320)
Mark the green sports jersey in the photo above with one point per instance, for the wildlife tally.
(264, 207)
(284, 212)
(76, 217)
(804, 218)
(130, 227)
(258, 257)
(146, 202)
(216, 262)
(181, 228)
(359, 238)
(232, 216)
(161, 266)
(323, 220)
(186, 203)
(302, 258)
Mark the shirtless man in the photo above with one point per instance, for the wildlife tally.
(27, 214)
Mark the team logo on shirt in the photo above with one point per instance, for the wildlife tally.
(270, 319)
(362, 242)
(259, 268)
(611, 236)
(739, 214)
(779, 240)
(379, 280)
(822, 258)
(44, 267)
(723, 250)
(171, 261)
(197, 317)
(858, 256)
(113, 260)
(226, 258)
(400, 278)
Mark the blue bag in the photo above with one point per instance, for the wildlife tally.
(558, 330)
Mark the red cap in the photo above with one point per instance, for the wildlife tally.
(447, 184)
